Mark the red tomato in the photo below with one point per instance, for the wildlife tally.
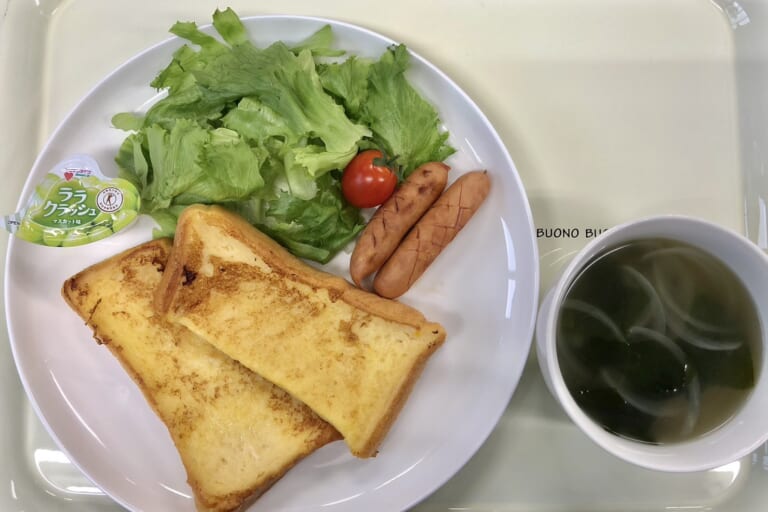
(367, 180)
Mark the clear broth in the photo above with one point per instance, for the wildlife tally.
(658, 341)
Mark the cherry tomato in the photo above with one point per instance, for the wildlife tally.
(367, 180)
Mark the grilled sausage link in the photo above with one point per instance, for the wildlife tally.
(395, 217)
(432, 233)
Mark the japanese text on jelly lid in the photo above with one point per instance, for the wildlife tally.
(75, 204)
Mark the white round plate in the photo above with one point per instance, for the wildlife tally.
(483, 289)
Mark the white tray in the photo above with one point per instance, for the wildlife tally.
(611, 110)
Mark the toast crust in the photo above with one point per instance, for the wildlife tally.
(236, 433)
(249, 297)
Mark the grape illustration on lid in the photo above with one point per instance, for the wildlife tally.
(75, 204)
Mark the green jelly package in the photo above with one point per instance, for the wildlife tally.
(75, 204)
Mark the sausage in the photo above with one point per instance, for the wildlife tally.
(432, 233)
(395, 217)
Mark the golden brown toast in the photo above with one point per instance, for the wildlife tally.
(236, 433)
(350, 355)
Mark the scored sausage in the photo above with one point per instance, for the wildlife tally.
(395, 217)
(432, 233)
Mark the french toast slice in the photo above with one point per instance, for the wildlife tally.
(351, 356)
(236, 433)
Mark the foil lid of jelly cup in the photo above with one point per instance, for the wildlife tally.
(75, 204)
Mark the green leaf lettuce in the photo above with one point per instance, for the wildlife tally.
(267, 131)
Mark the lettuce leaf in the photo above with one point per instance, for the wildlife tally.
(378, 94)
(348, 81)
(404, 124)
(201, 84)
(267, 131)
(315, 229)
(190, 164)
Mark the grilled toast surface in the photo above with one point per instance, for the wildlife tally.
(236, 433)
(350, 355)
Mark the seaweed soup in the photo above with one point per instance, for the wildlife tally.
(658, 341)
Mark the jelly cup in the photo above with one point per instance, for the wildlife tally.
(75, 204)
